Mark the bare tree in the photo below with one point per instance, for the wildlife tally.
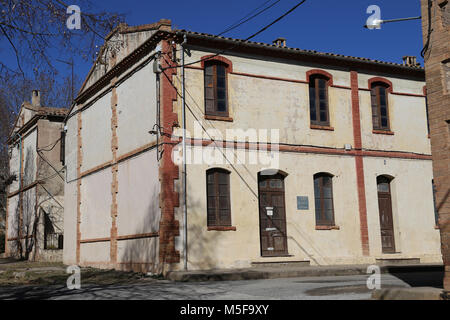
(34, 28)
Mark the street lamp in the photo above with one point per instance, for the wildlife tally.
(376, 23)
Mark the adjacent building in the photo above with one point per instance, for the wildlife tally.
(35, 198)
(436, 36)
(291, 156)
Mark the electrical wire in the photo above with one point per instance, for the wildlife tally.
(247, 39)
(241, 22)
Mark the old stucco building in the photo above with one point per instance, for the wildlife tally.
(35, 199)
(328, 162)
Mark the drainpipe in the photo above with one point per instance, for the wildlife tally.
(183, 115)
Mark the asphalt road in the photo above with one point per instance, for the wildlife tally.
(315, 288)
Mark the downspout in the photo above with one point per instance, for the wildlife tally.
(183, 115)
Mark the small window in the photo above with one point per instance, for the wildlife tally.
(216, 103)
(380, 111)
(323, 196)
(218, 198)
(62, 151)
(318, 100)
(436, 213)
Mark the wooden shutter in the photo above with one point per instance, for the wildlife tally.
(323, 198)
(216, 89)
(318, 104)
(380, 110)
(218, 198)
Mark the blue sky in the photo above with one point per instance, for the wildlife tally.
(322, 25)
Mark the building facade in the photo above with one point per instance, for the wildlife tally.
(436, 35)
(35, 199)
(291, 156)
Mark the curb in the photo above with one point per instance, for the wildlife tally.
(275, 273)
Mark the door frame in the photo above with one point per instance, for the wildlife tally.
(386, 195)
(283, 176)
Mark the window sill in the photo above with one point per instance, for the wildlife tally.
(219, 228)
(387, 132)
(218, 118)
(317, 127)
(328, 228)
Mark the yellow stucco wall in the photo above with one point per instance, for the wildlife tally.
(258, 103)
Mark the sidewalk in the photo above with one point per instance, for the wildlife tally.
(283, 271)
(421, 293)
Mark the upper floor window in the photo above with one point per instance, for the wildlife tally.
(218, 198)
(216, 103)
(318, 100)
(323, 199)
(380, 110)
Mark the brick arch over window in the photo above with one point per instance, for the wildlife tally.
(213, 58)
(315, 72)
(384, 81)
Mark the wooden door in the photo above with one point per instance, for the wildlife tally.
(272, 216)
(386, 221)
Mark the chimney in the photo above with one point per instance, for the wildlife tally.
(36, 98)
(410, 61)
(280, 42)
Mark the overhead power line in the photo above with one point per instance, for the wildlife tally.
(247, 39)
(247, 18)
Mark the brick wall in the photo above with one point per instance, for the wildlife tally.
(437, 58)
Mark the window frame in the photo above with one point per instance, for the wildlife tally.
(315, 78)
(374, 86)
(321, 222)
(215, 63)
(218, 222)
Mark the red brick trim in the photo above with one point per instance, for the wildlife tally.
(383, 80)
(168, 171)
(26, 188)
(138, 236)
(328, 228)
(306, 149)
(387, 132)
(122, 238)
(321, 72)
(120, 159)
(6, 227)
(317, 127)
(220, 228)
(218, 118)
(114, 171)
(79, 164)
(359, 165)
(213, 57)
(268, 77)
(95, 240)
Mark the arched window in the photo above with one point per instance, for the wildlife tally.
(218, 198)
(318, 99)
(380, 110)
(216, 102)
(323, 199)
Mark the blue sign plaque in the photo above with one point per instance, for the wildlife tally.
(302, 203)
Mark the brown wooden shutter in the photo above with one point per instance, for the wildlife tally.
(323, 199)
(218, 194)
(318, 95)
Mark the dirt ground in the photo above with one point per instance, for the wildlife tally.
(17, 273)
